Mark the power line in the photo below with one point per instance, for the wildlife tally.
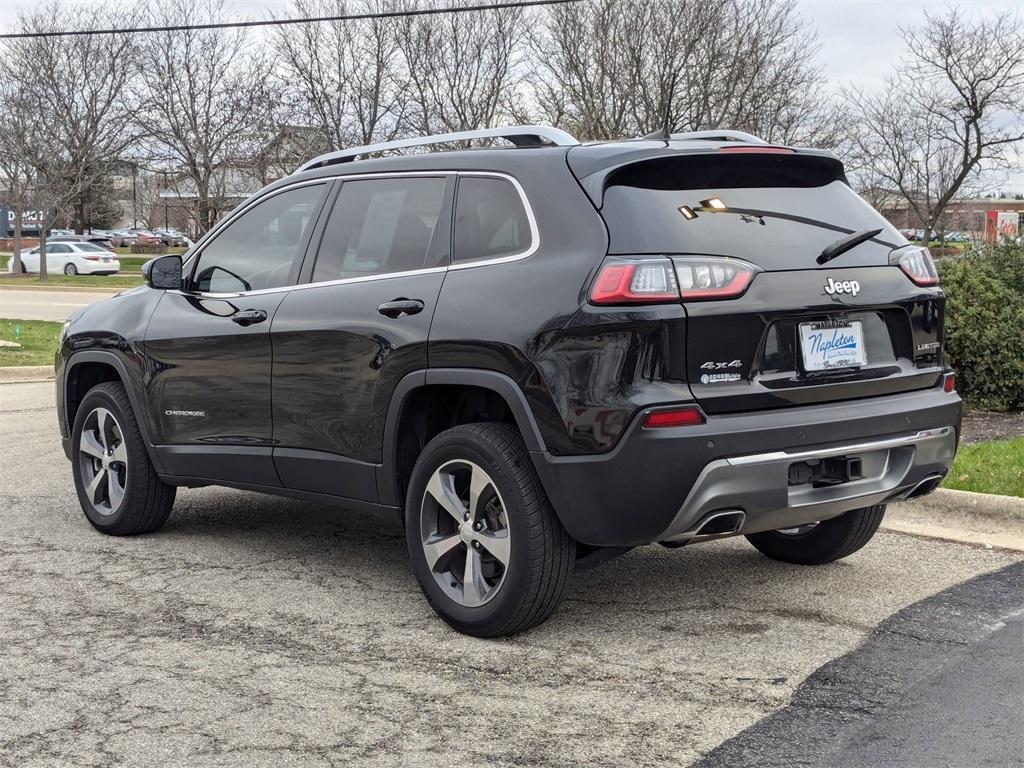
(283, 22)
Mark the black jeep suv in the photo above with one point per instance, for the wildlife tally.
(540, 355)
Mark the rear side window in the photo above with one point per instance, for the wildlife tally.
(261, 248)
(380, 226)
(490, 220)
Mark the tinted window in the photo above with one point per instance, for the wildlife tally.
(90, 248)
(379, 226)
(260, 249)
(58, 248)
(490, 220)
(777, 211)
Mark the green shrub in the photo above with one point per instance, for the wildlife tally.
(985, 325)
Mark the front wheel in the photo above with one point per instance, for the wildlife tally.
(489, 552)
(821, 542)
(117, 485)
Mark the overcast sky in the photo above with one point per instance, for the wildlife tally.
(858, 38)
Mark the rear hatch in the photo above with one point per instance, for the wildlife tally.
(802, 331)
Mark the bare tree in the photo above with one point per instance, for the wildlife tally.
(72, 105)
(953, 109)
(19, 113)
(346, 78)
(206, 104)
(463, 68)
(611, 68)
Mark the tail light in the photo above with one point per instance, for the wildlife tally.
(624, 280)
(637, 281)
(949, 382)
(916, 262)
(686, 416)
(90, 258)
(702, 278)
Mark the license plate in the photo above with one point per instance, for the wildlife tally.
(826, 346)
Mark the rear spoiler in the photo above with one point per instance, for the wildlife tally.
(718, 167)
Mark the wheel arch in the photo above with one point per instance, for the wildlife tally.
(391, 479)
(83, 371)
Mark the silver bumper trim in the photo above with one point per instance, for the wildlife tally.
(758, 484)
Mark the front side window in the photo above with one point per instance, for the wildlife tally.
(380, 226)
(490, 220)
(261, 248)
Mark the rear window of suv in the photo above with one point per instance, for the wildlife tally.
(755, 207)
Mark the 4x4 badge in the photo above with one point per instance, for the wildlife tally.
(832, 287)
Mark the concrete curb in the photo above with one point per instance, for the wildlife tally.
(976, 519)
(111, 289)
(988, 504)
(25, 373)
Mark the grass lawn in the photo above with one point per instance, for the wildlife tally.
(38, 339)
(995, 467)
(79, 281)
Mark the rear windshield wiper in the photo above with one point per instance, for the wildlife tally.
(840, 247)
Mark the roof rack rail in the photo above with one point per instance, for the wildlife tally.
(520, 135)
(720, 135)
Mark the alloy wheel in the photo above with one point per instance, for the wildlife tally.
(103, 461)
(465, 533)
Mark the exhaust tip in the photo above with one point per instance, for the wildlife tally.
(925, 487)
(721, 524)
(717, 524)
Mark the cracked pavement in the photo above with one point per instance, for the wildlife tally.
(257, 631)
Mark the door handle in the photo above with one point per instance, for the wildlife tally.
(249, 317)
(401, 306)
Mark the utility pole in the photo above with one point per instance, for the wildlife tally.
(135, 199)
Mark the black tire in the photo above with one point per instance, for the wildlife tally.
(827, 541)
(146, 500)
(70, 270)
(541, 555)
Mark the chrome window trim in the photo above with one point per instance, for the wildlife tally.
(249, 204)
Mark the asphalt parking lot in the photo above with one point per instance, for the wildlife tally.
(259, 631)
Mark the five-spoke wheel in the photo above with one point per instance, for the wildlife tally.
(489, 552)
(116, 482)
(103, 459)
(465, 533)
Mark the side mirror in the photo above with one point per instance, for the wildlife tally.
(163, 273)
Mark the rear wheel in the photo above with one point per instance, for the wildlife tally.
(821, 542)
(488, 551)
(117, 485)
(70, 269)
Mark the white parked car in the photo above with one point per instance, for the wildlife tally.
(72, 258)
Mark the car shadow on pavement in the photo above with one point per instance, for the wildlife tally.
(651, 587)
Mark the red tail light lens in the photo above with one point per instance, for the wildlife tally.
(640, 281)
(917, 264)
(949, 383)
(686, 416)
(90, 258)
(703, 278)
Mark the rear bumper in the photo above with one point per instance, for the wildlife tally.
(662, 485)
